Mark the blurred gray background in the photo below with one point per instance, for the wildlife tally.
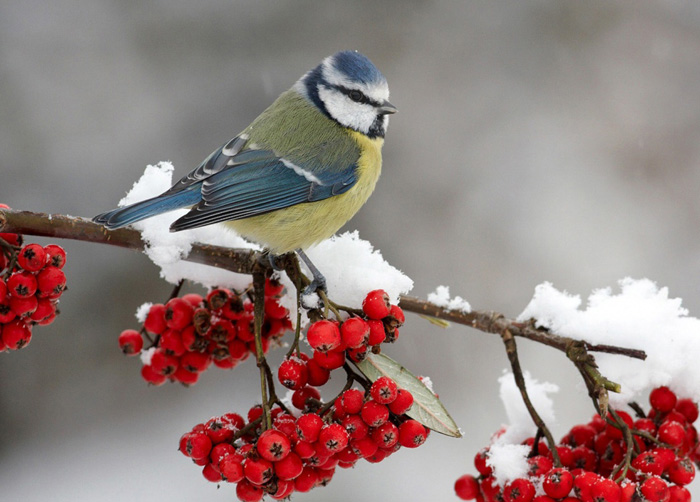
(536, 140)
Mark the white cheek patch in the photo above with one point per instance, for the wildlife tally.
(376, 91)
(358, 116)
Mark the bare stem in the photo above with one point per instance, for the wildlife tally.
(512, 352)
(259, 288)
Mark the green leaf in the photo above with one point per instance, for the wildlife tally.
(427, 408)
(440, 323)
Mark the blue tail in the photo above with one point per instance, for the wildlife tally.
(163, 203)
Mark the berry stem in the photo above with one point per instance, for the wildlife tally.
(259, 289)
(624, 466)
(512, 353)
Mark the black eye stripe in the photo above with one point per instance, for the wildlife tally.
(365, 99)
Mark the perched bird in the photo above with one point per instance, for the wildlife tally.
(297, 173)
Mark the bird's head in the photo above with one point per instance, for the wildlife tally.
(349, 89)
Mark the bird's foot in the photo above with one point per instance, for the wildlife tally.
(273, 260)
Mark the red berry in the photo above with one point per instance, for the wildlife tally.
(333, 438)
(384, 390)
(257, 470)
(402, 403)
(16, 334)
(273, 310)
(539, 465)
(467, 487)
(671, 433)
(307, 480)
(376, 332)
(198, 445)
(178, 313)
(51, 282)
(359, 354)
(195, 362)
(184, 376)
(309, 426)
(386, 435)
(324, 336)
(685, 406)
(171, 343)
(318, 375)
(55, 256)
(130, 342)
(558, 483)
(293, 373)
(584, 458)
(163, 363)
(645, 425)
(583, 483)
(22, 284)
(580, 435)
(519, 490)
(412, 434)
(480, 462)
(681, 471)
(45, 309)
(24, 307)
(662, 399)
(273, 445)
(248, 492)
(329, 360)
(300, 396)
(219, 429)
(376, 304)
(211, 474)
(629, 492)
(31, 257)
(374, 414)
(289, 467)
(678, 494)
(352, 401)
(354, 332)
(151, 376)
(356, 427)
(155, 319)
(606, 490)
(654, 489)
(231, 467)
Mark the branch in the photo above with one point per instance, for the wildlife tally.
(245, 261)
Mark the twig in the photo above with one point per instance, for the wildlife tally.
(259, 288)
(512, 352)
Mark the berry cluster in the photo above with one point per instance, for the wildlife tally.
(332, 341)
(593, 457)
(189, 333)
(300, 453)
(31, 282)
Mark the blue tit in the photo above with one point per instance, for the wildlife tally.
(298, 172)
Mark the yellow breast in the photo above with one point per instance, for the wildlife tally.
(306, 224)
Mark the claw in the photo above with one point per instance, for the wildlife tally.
(318, 282)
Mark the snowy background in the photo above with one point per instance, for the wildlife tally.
(536, 140)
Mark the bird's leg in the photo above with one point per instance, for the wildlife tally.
(272, 260)
(318, 282)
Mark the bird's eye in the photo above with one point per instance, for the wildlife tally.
(356, 96)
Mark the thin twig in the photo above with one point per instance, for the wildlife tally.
(512, 352)
(259, 288)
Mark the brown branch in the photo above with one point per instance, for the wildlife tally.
(493, 322)
(244, 261)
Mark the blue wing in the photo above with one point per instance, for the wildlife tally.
(259, 181)
(235, 183)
